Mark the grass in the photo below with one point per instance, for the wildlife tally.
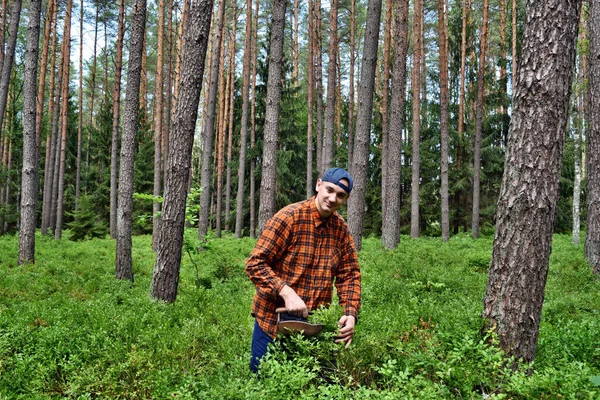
(69, 329)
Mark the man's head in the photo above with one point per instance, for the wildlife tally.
(333, 190)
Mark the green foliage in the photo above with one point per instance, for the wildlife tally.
(85, 223)
(68, 329)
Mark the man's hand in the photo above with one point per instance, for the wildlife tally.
(293, 303)
(346, 325)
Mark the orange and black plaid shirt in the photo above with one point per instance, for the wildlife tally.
(305, 251)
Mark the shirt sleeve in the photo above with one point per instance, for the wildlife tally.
(348, 279)
(268, 250)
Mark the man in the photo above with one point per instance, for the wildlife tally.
(303, 249)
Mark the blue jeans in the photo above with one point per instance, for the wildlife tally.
(260, 346)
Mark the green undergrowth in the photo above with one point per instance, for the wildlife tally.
(69, 329)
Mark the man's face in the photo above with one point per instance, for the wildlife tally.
(330, 197)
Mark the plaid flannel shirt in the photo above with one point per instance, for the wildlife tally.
(305, 251)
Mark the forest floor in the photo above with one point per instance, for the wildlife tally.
(69, 329)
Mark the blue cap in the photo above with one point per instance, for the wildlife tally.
(335, 175)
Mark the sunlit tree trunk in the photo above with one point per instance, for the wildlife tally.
(351, 82)
(209, 125)
(515, 63)
(580, 99)
(461, 112)
(158, 121)
(592, 237)
(239, 208)
(385, 94)
(296, 57)
(165, 277)
(7, 65)
(327, 153)
(80, 114)
(29, 175)
(54, 111)
(269, 167)
(92, 89)
(231, 115)
(48, 159)
(319, 79)
(116, 112)
(530, 186)
(253, 125)
(64, 119)
(479, 122)
(224, 83)
(310, 102)
(390, 232)
(123, 264)
(360, 161)
(43, 70)
(416, 123)
(443, 120)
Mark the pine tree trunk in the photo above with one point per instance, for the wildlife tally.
(296, 57)
(271, 128)
(239, 207)
(93, 91)
(209, 125)
(310, 102)
(319, 79)
(390, 232)
(224, 84)
(123, 265)
(416, 94)
(529, 192)
(43, 70)
(80, 114)
(116, 112)
(48, 160)
(360, 162)
(165, 277)
(29, 176)
(515, 63)
(443, 120)
(385, 95)
(461, 112)
(158, 122)
(7, 65)
(328, 151)
(592, 237)
(231, 116)
(479, 122)
(253, 125)
(64, 114)
(351, 82)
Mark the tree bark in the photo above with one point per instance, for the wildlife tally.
(239, 204)
(360, 161)
(209, 125)
(231, 125)
(351, 82)
(529, 192)
(271, 128)
(165, 277)
(7, 65)
(444, 120)
(29, 174)
(253, 125)
(385, 95)
(416, 123)
(592, 237)
(390, 232)
(158, 122)
(479, 122)
(328, 151)
(48, 161)
(310, 102)
(80, 114)
(123, 265)
(64, 117)
(43, 69)
(319, 79)
(116, 112)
